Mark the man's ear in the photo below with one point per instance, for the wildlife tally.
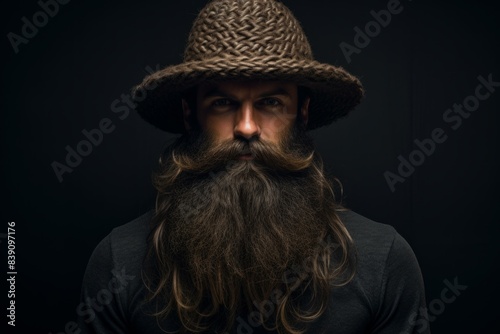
(304, 110)
(186, 114)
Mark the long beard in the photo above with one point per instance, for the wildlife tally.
(229, 229)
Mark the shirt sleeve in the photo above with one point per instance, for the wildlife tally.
(402, 308)
(104, 284)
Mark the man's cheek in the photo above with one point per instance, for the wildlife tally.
(281, 119)
(219, 127)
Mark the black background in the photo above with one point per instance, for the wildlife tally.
(428, 58)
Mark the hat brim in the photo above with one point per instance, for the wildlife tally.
(334, 91)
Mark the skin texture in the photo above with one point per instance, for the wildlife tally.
(247, 109)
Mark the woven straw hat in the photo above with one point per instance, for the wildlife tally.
(247, 39)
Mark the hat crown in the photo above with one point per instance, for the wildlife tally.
(246, 28)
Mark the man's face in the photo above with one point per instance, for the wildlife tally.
(231, 227)
(256, 109)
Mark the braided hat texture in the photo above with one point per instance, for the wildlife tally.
(247, 39)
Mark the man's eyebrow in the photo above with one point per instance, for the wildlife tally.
(215, 91)
(276, 91)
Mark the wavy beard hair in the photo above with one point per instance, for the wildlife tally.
(259, 237)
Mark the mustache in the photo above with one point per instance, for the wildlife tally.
(201, 153)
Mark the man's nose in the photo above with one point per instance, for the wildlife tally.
(246, 124)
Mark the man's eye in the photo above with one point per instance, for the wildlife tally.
(271, 102)
(221, 102)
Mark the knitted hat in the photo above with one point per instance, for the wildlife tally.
(247, 39)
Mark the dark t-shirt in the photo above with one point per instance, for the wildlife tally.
(386, 295)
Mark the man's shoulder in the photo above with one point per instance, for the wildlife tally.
(375, 244)
(121, 251)
(128, 242)
(133, 230)
(379, 247)
(366, 230)
(125, 245)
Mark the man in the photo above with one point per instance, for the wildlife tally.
(247, 235)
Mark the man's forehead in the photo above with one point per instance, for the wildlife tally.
(256, 86)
